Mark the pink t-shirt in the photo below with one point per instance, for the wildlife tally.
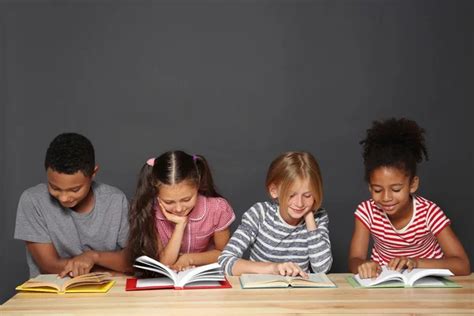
(209, 215)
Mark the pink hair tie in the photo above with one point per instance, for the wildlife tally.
(195, 157)
(151, 162)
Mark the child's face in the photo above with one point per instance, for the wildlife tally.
(300, 201)
(178, 199)
(70, 190)
(391, 189)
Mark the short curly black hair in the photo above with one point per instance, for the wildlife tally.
(398, 143)
(69, 153)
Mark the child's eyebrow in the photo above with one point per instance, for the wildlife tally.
(182, 199)
(67, 189)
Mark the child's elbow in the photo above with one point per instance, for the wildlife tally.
(465, 269)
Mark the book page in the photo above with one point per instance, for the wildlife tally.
(47, 280)
(263, 280)
(384, 276)
(415, 275)
(165, 281)
(209, 272)
(314, 279)
(204, 284)
(94, 279)
(428, 282)
(147, 263)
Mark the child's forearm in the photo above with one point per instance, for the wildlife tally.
(170, 252)
(354, 264)
(246, 266)
(46, 257)
(52, 266)
(458, 266)
(202, 258)
(113, 260)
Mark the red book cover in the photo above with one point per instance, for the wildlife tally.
(131, 285)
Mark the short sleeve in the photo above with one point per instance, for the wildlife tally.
(436, 220)
(363, 214)
(30, 223)
(223, 215)
(124, 226)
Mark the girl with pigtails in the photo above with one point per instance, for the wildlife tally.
(177, 216)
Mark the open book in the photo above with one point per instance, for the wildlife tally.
(414, 278)
(207, 276)
(254, 281)
(96, 282)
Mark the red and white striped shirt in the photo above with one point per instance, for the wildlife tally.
(416, 240)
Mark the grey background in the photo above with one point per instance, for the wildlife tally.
(239, 82)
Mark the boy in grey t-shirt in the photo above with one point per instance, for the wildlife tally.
(73, 224)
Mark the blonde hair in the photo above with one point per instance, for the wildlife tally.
(288, 167)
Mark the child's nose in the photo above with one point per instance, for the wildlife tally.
(299, 201)
(387, 196)
(63, 197)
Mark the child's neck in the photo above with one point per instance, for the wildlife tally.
(87, 204)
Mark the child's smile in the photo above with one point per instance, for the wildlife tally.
(391, 190)
(300, 202)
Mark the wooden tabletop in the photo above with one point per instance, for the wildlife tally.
(341, 300)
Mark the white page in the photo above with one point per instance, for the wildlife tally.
(188, 275)
(251, 279)
(203, 283)
(429, 281)
(147, 263)
(384, 276)
(415, 274)
(154, 282)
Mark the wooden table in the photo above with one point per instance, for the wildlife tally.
(341, 300)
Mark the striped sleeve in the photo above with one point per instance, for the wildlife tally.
(242, 238)
(319, 245)
(436, 220)
(363, 214)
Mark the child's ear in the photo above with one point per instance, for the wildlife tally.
(415, 182)
(273, 190)
(96, 169)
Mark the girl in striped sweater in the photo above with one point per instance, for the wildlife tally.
(290, 234)
(408, 231)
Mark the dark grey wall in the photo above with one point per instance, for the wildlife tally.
(239, 82)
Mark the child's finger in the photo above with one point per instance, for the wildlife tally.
(378, 270)
(392, 265)
(294, 272)
(66, 270)
(401, 264)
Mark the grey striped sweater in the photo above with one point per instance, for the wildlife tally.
(271, 239)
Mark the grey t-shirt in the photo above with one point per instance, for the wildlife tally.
(40, 218)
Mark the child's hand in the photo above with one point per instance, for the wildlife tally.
(399, 263)
(184, 262)
(289, 269)
(369, 269)
(79, 265)
(172, 217)
(310, 222)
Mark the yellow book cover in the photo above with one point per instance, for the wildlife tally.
(96, 282)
